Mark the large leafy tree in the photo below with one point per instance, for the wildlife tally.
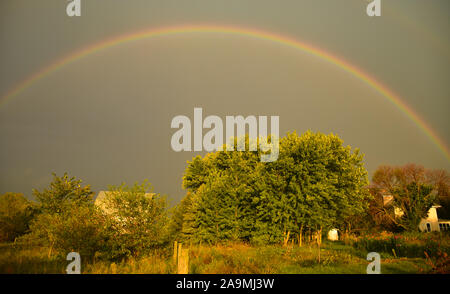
(316, 183)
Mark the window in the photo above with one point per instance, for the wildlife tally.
(428, 227)
(444, 226)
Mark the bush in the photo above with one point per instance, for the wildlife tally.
(76, 229)
(137, 220)
(16, 213)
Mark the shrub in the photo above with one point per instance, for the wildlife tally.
(76, 229)
(16, 213)
(136, 220)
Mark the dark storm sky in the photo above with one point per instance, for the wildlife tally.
(106, 118)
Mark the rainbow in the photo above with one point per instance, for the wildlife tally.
(277, 38)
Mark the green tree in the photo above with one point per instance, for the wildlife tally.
(316, 183)
(16, 213)
(77, 228)
(67, 219)
(137, 219)
(182, 219)
(62, 191)
(414, 200)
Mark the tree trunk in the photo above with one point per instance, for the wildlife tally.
(286, 238)
(300, 236)
(50, 251)
(319, 240)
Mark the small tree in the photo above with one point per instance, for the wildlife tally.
(137, 219)
(414, 190)
(16, 213)
(414, 200)
(78, 228)
(67, 219)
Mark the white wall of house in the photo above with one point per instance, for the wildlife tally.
(431, 223)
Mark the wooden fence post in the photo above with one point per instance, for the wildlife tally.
(183, 261)
(175, 252)
(180, 247)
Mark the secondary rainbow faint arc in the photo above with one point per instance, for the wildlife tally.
(277, 38)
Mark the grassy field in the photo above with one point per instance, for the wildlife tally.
(335, 258)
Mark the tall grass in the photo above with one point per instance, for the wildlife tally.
(19, 259)
(406, 245)
(335, 258)
(244, 259)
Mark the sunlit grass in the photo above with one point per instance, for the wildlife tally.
(15, 259)
(335, 258)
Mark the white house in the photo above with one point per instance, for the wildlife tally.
(433, 223)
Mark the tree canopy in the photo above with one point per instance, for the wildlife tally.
(315, 183)
(63, 191)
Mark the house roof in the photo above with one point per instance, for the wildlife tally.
(102, 195)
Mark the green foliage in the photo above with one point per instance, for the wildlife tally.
(315, 183)
(181, 219)
(128, 222)
(77, 228)
(137, 220)
(67, 219)
(414, 200)
(63, 190)
(16, 213)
